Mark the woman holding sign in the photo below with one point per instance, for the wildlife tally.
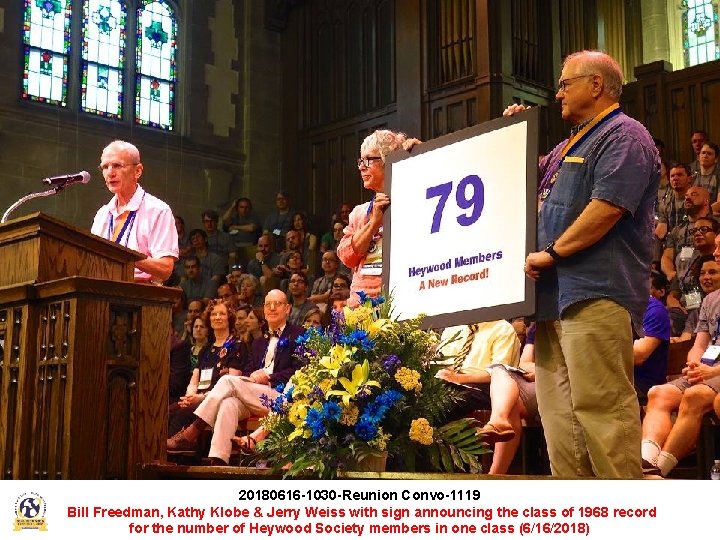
(361, 246)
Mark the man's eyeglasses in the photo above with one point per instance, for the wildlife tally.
(563, 84)
(274, 304)
(702, 230)
(339, 286)
(367, 161)
(109, 166)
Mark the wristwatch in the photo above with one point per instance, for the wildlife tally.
(550, 250)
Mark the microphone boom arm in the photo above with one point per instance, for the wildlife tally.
(52, 191)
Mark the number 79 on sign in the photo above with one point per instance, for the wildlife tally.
(474, 202)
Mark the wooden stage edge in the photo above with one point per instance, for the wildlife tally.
(171, 471)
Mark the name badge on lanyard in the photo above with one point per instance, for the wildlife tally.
(205, 379)
(711, 354)
(686, 252)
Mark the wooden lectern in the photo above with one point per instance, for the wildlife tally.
(85, 361)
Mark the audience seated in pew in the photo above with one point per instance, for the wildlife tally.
(475, 348)
(201, 339)
(650, 352)
(250, 324)
(272, 362)
(513, 399)
(225, 355)
(691, 395)
(708, 276)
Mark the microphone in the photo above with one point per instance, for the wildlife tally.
(83, 177)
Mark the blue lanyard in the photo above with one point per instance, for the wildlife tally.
(126, 228)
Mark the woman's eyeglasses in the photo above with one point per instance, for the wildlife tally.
(367, 161)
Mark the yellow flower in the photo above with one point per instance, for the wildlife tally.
(349, 414)
(297, 413)
(338, 355)
(408, 378)
(360, 378)
(421, 431)
(376, 327)
(301, 383)
(380, 441)
(326, 385)
(360, 317)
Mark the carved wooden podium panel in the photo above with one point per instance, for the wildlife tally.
(84, 371)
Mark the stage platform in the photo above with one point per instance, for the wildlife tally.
(172, 471)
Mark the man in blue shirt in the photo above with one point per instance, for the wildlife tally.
(595, 224)
(651, 351)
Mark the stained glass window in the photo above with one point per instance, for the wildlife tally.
(103, 57)
(46, 38)
(156, 68)
(701, 39)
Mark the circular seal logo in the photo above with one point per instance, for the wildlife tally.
(30, 512)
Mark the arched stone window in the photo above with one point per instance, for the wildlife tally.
(122, 62)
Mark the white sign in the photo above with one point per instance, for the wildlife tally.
(462, 220)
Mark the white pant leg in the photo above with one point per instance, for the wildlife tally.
(235, 399)
(210, 406)
(230, 412)
(250, 393)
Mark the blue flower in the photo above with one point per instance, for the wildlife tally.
(391, 363)
(265, 401)
(279, 404)
(377, 409)
(375, 302)
(359, 338)
(314, 421)
(282, 343)
(363, 296)
(366, 429)
(389, 398)
(276, 405)
(331, 411)
(310, 333)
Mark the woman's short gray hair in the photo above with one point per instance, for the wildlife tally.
(252, 279)
(384, 141)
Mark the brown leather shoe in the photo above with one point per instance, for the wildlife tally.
(179, 443)
(491, 435)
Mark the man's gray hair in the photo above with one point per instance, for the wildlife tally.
(126, 147)
(604, 65)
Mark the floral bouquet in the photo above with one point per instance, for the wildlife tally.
(368, 388)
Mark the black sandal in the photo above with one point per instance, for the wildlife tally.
(248, 447)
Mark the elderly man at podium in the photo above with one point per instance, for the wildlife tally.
(134, 218)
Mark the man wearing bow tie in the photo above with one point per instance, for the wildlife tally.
(272, 362)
